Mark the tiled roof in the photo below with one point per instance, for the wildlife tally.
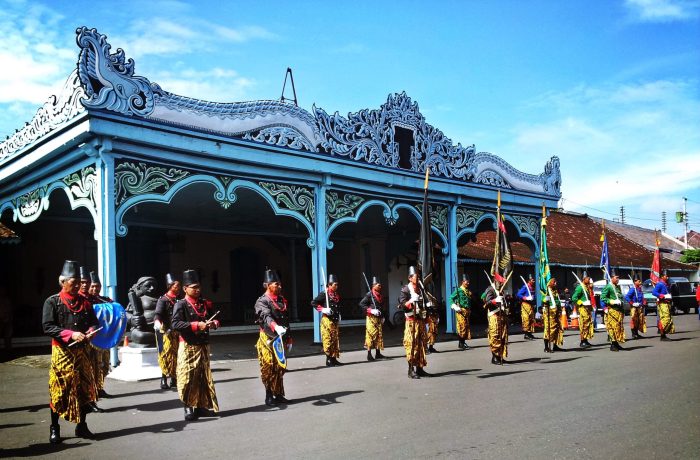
(647, 238)
(573, 240)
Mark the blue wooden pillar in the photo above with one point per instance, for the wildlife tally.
(105, 229)
(318, 261)
(451, 267)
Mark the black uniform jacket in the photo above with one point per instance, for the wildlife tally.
(269, 313)
(185, 314)
(57, 319)
(333, 305)
(164, 311)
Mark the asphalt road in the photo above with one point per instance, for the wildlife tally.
(643, 402)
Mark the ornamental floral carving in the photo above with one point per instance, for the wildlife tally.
(27, 207)
(138, 178)
(82, 187)
(293, 197)
(527, 224)
(467, 218)
(281, 136)
(338, 207)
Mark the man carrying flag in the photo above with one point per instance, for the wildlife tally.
(612, 297)
(663, 306)
(582, 298)
(527, 312)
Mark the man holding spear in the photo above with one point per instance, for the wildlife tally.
(582, 299)
(612, 297)
(527, 312)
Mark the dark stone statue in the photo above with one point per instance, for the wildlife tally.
(142, 309)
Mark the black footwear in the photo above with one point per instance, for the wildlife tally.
(665, 339)
(329, 363)
(173, 382)
(432, 349)
(412, 374)
(613, 347)
(556, 348)
(202, 412)
(82, 431)
(280, 399)
(582, 344)
(92, 407)
(460, 345)
(164, 383)
(619, 347)
(269, 399)
(369, 356)
(378, 355)
(103, 394)
(466, 347)
(55, 434)
(530, 336)
(588, 344)
(503, 361)
(421, 373)
(335, 362)
(494, 359)
(189, 414)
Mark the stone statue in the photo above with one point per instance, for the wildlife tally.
(142, 307)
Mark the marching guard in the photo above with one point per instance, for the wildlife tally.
(273, 317)
(193, 318)
(498, 326)
(412, 301)
(374, 304)
(461, 303)
(527, 311)
(68, 318)
(165, 334)
(663, 307)
(615, 314)
(328, 303)
(100, 355)
(553, 332)
(635, 297)
(583, 298)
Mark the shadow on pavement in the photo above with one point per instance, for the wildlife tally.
(456, 372)
(35, 408)
(502, 374)
(636, 348)
(39, 449)
(14, 425)
(316, 400)
(526, 360)
(165, 427)
(149, 407)
(562, 360)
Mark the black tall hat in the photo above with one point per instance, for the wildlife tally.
(332, 279)
(190, 277)
(613, 272)
(530, 277)
(169, 280)
(375, 281)
(465, 277)
(84, 275)
(70, 269)
(94, 279)
(584, 274)
(412, 270)
(271, 276)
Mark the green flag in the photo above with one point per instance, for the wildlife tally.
(545, 275)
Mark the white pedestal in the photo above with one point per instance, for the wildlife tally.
(137, 364)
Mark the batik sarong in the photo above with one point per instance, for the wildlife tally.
(271, 373)
(330, 336)
(665, 325)
(167, 358)
(638, 320)
(373, 335)
(195, 384)
(613, 323)
(585, 322)
(414, 342)
(498, 335)
(527, 317)
(464, 331)
(431, 324)
(552, 327)
(71, 381)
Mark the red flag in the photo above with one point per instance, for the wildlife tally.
(656, 267)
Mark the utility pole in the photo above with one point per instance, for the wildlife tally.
(663, 221)
(685, 221)
(622, 214)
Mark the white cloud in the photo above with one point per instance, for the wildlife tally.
(216, 84)
(663, 10)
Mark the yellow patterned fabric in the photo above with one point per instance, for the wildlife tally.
(373, 335)
(498, 335)
(414, 337)
(271, 373)
(663, 309)
(330, 336)
(432, 332)
(585, 322)
(100, 365)
(195, 384)
(638, 320)
(552, 326)
(464, 331)
(613, 323)
(167, 358)
(527, 316)
(71, 381)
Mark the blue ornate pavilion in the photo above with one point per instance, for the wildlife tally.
(149, 182)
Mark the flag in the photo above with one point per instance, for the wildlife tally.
(545, 274)
(502, 264)
(656, 264)
(604, 255)
(425, 249)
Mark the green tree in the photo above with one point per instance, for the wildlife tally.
(691, 256)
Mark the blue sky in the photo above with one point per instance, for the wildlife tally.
(611, 87)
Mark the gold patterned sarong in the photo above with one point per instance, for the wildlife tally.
(665, 325)
(414, 342)
(464, 331)
(613, 323)
(431, 324)
(167, 358)
(195, 384)
(638, 320)
(100, 365)
(552, 327)
(498, 335)
(585, 322)
(373, 335)
(71, 380)
(527, 316)
(271, 373)
(330, 336)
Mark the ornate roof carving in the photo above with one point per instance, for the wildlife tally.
(106, 80)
